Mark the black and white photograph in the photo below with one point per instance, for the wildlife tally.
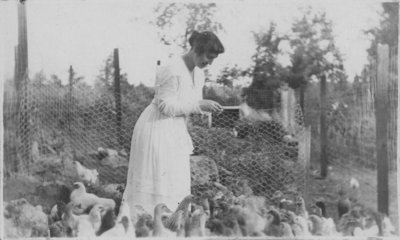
(238, 119)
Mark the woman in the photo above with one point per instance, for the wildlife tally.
(159, 164)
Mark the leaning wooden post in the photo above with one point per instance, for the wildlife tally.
(382, 117)
(117, 95)
(323, 128)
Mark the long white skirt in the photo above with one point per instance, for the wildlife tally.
(159, 162)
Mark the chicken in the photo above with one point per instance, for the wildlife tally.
(144, 225)
(243, 188)
(102, 153)
(196, 223)
(354, 183)
(301, 207)
(273, 225)
(89, 224)
(354, 191)
(255, 203)
(85, 200)
(344, 204)
(57, 229)
(314, 209)
(320, 203)
(56, 212)
(85, 229)
(113, 190)
(347, 224)
(107, 221)
(317, 225)
(286, 230)
(184, 209)
(205, 204)
(124, 226)
(388, 230)
(298, 224)
(226, 227)
(70, 220)
(372, 231)
(86, 175)
(277, 198)
(163, 216)
(251, 223)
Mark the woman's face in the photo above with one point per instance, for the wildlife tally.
(202, 60)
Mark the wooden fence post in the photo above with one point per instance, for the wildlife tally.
(2, 71)
(323, 128)
(382, 118)
(70, 82)
(20, 79)
(117, 95)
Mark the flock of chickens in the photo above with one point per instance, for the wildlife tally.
(216, 212)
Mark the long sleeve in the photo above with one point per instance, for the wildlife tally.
(168, 92)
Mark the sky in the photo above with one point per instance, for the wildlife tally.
(83, 33)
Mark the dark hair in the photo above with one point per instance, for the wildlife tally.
(205, 42)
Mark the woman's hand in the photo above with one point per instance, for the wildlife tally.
(210, 106)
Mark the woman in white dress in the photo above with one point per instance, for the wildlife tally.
(159, 163)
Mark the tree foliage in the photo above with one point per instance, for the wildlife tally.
(229, 75)
(105, 80)
(314, 50)
(176, 21)
(388, 30)
(267, 72)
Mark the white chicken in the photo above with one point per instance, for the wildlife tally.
(354, 183)
(388, 230)
(163, 214)
(196, 223)
(85, 200)
(86, 175)
(88, 225)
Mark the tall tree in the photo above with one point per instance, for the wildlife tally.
(314, 52)
(267, 72)
(176, 21)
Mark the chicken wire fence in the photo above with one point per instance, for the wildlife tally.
(262, 155)
(77, 123)
(352, 134)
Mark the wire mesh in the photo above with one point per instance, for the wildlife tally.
(77, 122)
(351, 126)
(266, 151)
(262, 153)
(56, 124)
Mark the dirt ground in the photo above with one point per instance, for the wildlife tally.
(340, 175)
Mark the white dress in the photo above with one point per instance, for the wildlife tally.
(159, 163)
